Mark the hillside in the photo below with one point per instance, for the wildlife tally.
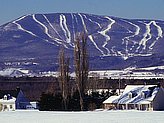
(32, 42)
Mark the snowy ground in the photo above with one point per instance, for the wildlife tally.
(82, 117)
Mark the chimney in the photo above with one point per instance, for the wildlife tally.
(18, 89)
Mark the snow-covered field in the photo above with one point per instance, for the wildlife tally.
(82, 117)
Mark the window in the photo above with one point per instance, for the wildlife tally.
(5, 108)
(130, 95)
(142, 95)
(11, 106)
(5, 97)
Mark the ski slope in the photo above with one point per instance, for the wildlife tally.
(142, 35)
(112, 43)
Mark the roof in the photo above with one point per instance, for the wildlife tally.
(111, 99)
(135, 94)
(138, 94)
(13, 99)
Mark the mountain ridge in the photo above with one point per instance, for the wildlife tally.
(113, 43)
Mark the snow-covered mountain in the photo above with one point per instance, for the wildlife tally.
(32, 42)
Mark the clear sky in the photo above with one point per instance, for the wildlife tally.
(141, 9)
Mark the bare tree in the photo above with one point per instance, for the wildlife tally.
(64, 76)
(81, 65)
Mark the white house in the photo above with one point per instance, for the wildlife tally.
(108, 104)
(7, 103)
(140, 97)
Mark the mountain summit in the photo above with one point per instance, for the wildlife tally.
(33, 41)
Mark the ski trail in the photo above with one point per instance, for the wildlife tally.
(127, 39)
(93, 21)
(144, 40)
(67, 30)
(64, 27)
(137, 29)
(46, 31)
(59, 41)
(73, 30)
(91, 38)
(54, 30)
(124, 56)
(160, 34)
(76, 19)
(85, 28)
(45, 28)
(105, 35)
(21, 28)
(73, 26)
(112, 49)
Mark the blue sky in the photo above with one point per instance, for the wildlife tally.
(142, 9)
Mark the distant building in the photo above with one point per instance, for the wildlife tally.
(139, 97)
(7, 103)
(13, 99)
(33, 105)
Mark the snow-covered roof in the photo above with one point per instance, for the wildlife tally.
(135, 94)
(138, 94)
(111, 99)
(13, 99)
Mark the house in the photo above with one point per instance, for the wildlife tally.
(7, 103)
(13, 97)
(109, 103)
(139, 97)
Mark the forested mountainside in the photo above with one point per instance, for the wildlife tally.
(32, 42)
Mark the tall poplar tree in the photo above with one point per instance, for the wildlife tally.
(81, 65)
(64, 77)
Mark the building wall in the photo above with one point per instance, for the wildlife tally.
(0, 107)
(158, 103)
(109, 106)
(8, 106)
